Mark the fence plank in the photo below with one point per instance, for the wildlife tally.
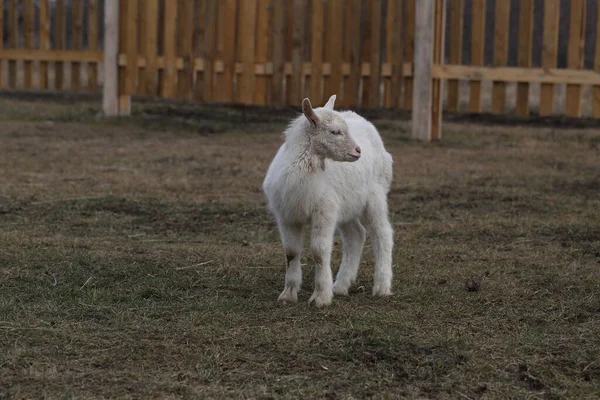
(180, 46)
(226, 49)
(424, 49)
(28, 22)
(409, 48)
(297, 59)
(110, 91)
(209, 52)
(148, 80)
(13, 41)
(278, 54)
(367, 49)
(438, 58)
(132, 47)
(575, 55)
(51, 55)
(502, 17)
(77, 38)
(375, 67)
(316, 52)
(246, 50)
(289, 48)
(549, 52)
(353, 56)
(394, 53)
(189, 51)
(525, 48)
(263, 45)
(278, 57)
(123, 102)
(169, 47)
(185, 29)
(59, 42)
(198, 47)
(517, 74)
(1, 38)
(455, 54)
(334, 35)
(92, 67)
(143, 44)
(477, 51)
(596, 88)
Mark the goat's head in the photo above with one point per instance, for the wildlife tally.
(330, 137)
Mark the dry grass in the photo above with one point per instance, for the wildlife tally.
(137, 260)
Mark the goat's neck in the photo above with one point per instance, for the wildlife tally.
(306, 157)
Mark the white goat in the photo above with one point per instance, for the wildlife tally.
(333, 171)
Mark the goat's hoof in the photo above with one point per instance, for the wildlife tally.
(321, 298)
(289, 295)
(340, 289)
(382, 290)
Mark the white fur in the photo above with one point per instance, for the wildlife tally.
(304, 186)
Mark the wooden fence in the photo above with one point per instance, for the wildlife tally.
(267, 51)
(33, 45)
(371, 53)
(433, 68)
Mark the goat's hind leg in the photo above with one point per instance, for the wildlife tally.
(291, 237)
(382, 237)
(353, 240)
(321, 243)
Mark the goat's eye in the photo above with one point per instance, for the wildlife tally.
(336, 132)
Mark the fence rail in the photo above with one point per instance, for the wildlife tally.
(482, 55)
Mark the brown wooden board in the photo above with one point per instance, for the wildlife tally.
(375, 64)
(278, 55)
(77, 39)
(334, 31)
(502, 17)
(525, 49)
(438, 58)
(575, 55)
(93, 15)
(169, 49)
(409, 49)
(549, 52)
(29, 33)
(477, 51)
(596, 88)
(295, 92)
(367, 49)
(148, 78)
(316, 71)
(394, 53)
(263, 47)
(226, 49)
(206, 91)
(1, 38)
(13, 41)
(246, 50)
(352, 52)
(455, 51)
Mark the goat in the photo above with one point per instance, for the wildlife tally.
(333, 172)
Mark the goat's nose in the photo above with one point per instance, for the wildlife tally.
(357, 149)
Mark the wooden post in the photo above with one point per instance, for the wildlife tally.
(110, 90)
(426, 116)
(437, 103)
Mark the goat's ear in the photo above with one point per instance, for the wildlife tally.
(330, 102)
(309, 113)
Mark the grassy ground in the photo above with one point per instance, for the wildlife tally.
(137, 260)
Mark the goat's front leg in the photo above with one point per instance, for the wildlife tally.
(291, 237)
(321, 242)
